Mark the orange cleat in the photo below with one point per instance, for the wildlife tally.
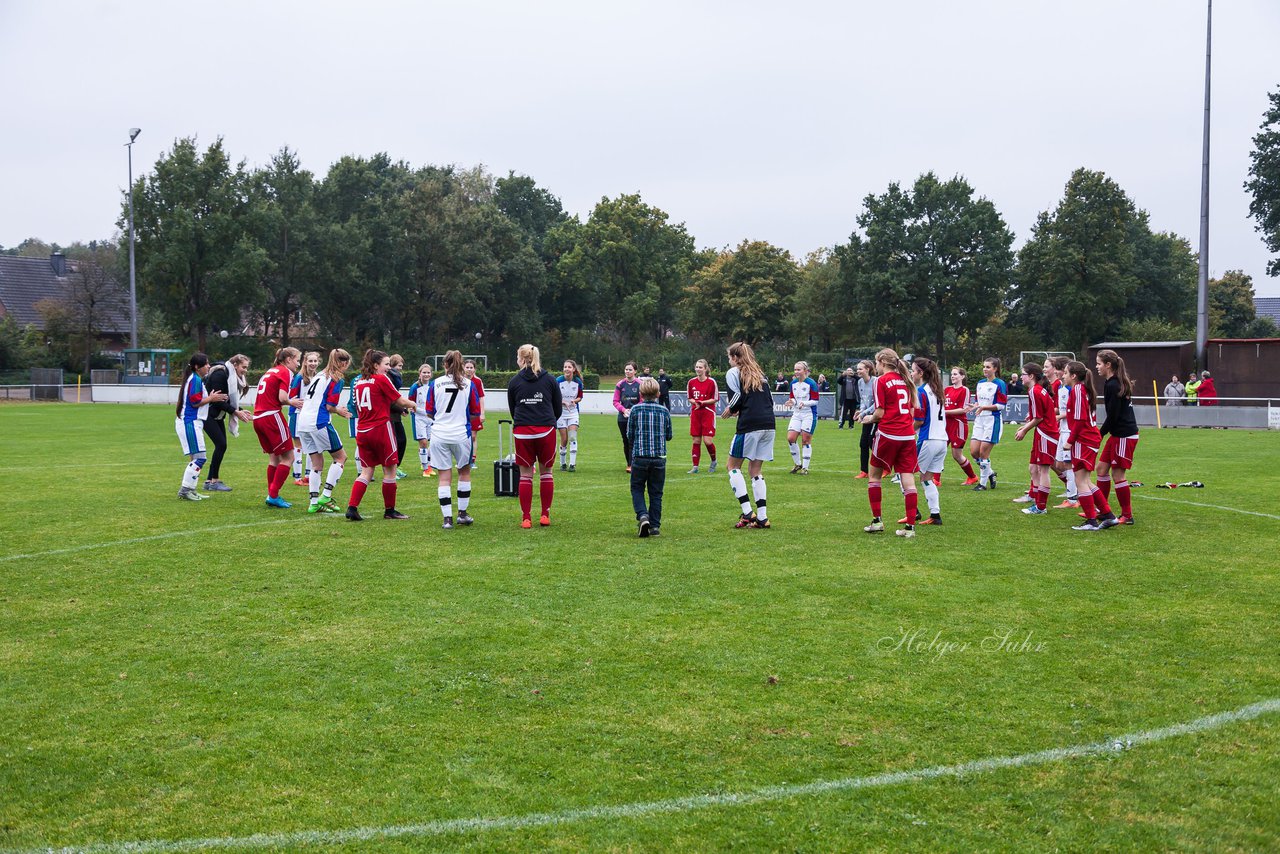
(1067, 504)
(526, 522)
(862, 475)
(544, 520)
(970, 481)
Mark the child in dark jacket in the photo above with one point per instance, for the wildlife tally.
(648, 430)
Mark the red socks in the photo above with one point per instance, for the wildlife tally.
(389, 495)
(873, 495)
(1104, 486)
(1041, 494)
(1086, 504)
(526, 495)
(968, 469)
(711, 449)
(276, 476)
(546, 491)
(1124, 497)
(697, 452)
(1100, 501)
(913, 506)
(357, 493)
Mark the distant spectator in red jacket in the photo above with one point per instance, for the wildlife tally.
(1207, 393)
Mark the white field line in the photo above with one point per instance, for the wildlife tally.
(1212, 506)
(480, 824)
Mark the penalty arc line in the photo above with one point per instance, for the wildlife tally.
(642, 809)
(1211, 506)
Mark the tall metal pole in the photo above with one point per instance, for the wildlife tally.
(133, 285)
(1202, 293)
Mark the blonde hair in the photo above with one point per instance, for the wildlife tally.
(649, 388)
(529, 354)
(890, 357)
(339, 359)
(303, 368)
(749, 370)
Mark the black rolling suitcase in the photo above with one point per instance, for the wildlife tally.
(505, 473)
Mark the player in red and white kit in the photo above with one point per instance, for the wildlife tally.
(894, 448)
(374, 395)
(1042, 424)
(477, 423)
(958, 397)
(704, 396)
(272, 430)
(1084, 439)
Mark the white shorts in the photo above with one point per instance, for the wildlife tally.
(986, 428)
(567, 419)
(421, 427)
(190, 436)
(756, 445)
(322, 441)
(930, 455)
(1063, 454)
(803, 421)
(446, 453)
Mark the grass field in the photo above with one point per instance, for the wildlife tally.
(189, 675)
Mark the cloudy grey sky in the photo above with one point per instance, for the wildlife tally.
(740, 119)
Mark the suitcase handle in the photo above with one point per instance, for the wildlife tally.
(502, 454)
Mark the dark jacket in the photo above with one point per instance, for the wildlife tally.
(1119, 420)
(534, 399)
(216, 380)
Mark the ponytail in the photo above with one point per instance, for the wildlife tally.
(1115, 361)
(198, 360)
(529, 355)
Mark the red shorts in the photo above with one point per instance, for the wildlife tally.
(1043, 448)
(273, 433)
(476, 425)
(893, 454)
(377, 445)
(534, 445)
(1083, 457)
(957, 432)
(702, 422)
(1118, 453)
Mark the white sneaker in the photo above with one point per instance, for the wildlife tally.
(906, 532)
(874, 528)
(1024, 499)
(188, 494)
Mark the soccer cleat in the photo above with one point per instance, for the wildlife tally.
(431, 472)
(393, 513)
(564, 467)
(795, 469)
(991, 481)
(1087, 525)
(426, 472)
(316, 507)
(189, 494)
(745, 520)
(908, 531)
(970, 481)
(448, 523)
(979, 488)
(934, 519)
(330, 505)
(573, 467)
(464, 518)
(762, 524)
(897, 478)
(862, 475)
(642, 525)
(712, 470)
(544, 520)
(1108, 520)
(803, 471)
(353, 515)
(876, 527)
(1034, 511)
(526, 523)
(299, 481)
(693, 470)
(401, 475)
(278, 502)
(904, 520)
(1067, 504)
(216, 486)
(1024, 498)
(1126, 520)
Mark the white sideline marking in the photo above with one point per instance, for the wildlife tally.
(693, 802)
(108, 544)
(1212, 506)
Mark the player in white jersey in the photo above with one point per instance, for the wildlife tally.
(1054, 369)
(804, 419)
(191, 412)
(420, 422)
(571, 389)
(321, 397)
(990, 397)
(931, 438)
(453, 400)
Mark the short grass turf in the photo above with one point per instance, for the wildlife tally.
(173, 671)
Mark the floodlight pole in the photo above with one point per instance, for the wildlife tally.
(1202, 290)
(133, 286)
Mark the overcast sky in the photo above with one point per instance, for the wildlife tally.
(743, 120)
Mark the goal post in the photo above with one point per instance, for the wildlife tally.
(481, 360)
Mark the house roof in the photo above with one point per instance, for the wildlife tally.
(1267, 307)
(24, 282)
(1121, 345)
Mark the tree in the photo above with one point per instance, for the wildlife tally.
(1231, 310)
(1076, 274)
(743, 295)
(936, 260)
(1166, 271)
(196, 260)
(1264, 181)
(284, 223)
(819, 310)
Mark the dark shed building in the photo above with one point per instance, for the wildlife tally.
(1245, 367)
(1148, 361)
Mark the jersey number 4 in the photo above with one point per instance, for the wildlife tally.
(363, 399)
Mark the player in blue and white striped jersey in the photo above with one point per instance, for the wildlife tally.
(571, 389)
(453, 400)
(804, 419)
(316, 434)
(931, 432)
(419, 421)
(191, 412)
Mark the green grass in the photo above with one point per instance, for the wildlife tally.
(271, 672)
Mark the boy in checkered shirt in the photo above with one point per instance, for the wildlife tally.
(648, 430)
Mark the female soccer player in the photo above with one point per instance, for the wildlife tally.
(990, 398)
(957, 412)
(228, 378)
(1055, 370)
(419, 421)
(626, 394)
(395, 373)
(571, 390)
(272, 430)
(452, 400)
(375, 397)
(534, 401)
(804, 420)
(301, 462)
(894, 448)
(1084, 439)
(320, 401)
(752, 403)
(1042, 418)
(866, 406)
(1121, 429)
(477, 423)
(704, 397)
(931, 433)
(191, 411)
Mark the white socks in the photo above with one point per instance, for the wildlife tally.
(806, 455)
(464, 496)
(573, 449)
(424, 457)
(335, 474)
(931, 494)
(446, 500)
(795, 452)
(191, 476)
(758, 489)
(738, 484)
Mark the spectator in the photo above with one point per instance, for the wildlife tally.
(823, 386)
(664, 389)
(1016, 386)
(220, 379)
(847, 385)
(1174, 392)
(1208, 393)
(782, 384)
(1192, 386)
